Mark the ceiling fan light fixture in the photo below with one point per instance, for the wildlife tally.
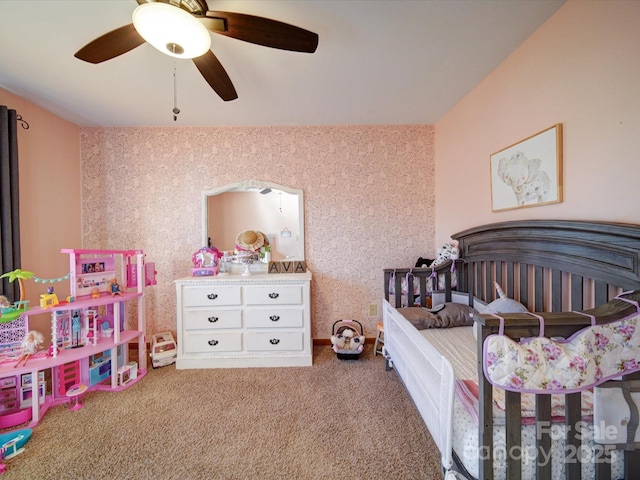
(171, 30)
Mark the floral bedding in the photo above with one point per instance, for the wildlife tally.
(545, 365)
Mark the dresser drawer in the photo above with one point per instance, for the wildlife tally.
(213, 342)
(7, 395)
(8, 405)
(212, 295)
(274, 295)
(212, 319)
(274, 317)
(7, 382)
(273, 341)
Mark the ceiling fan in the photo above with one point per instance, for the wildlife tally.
(197, 20)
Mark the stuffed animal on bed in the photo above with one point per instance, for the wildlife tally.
(503, 304)
(356, 342)
(338, 341)
(449, 251)
(424, 262)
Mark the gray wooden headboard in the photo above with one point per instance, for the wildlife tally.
(551, 265)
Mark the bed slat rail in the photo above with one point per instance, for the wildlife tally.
(543, 417)
(403, 280)
(513, 434)
(537, 288)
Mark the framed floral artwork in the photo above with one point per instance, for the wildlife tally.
(529, 172)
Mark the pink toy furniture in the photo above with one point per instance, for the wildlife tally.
(68, 375)
(75, 393)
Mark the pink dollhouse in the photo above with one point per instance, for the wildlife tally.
(90, 335)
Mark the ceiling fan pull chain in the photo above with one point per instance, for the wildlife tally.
(176, 110)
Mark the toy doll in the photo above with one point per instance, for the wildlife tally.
(115, 288)
(4, 302)
(29, 346)
(76, 328)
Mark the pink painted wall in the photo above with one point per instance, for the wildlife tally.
(581, 69)
(50, 215)
(368, 191)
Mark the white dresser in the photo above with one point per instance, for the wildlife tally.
(262, 320)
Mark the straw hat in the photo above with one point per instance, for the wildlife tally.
(250, 240)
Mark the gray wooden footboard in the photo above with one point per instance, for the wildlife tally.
(551, 266)
(555, 267)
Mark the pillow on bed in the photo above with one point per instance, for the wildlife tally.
(450, 315)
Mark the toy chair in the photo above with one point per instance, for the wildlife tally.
(377, 348)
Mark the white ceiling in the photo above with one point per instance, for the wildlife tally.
(377, 62)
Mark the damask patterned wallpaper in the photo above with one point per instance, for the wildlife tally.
(369, 202)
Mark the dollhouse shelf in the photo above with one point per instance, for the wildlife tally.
(103, 299)
(89, 358)
(41, 361)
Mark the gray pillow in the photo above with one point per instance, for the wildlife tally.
(457, 315)
(448, 315)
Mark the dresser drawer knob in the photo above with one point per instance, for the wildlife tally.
(212, 296)
(274, 341)
(213, 343)
(274, 295)
(274, 318)
(213, 319)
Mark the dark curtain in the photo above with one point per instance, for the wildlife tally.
(9, 215)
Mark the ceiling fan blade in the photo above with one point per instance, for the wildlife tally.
(216, 76)
(266, 32)
(110, 45)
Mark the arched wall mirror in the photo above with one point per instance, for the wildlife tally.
(272, 209)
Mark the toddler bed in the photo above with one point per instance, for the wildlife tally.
(559, 269)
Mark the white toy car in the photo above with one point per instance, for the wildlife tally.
(163, 349)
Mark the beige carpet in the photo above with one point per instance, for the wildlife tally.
(340, 419)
